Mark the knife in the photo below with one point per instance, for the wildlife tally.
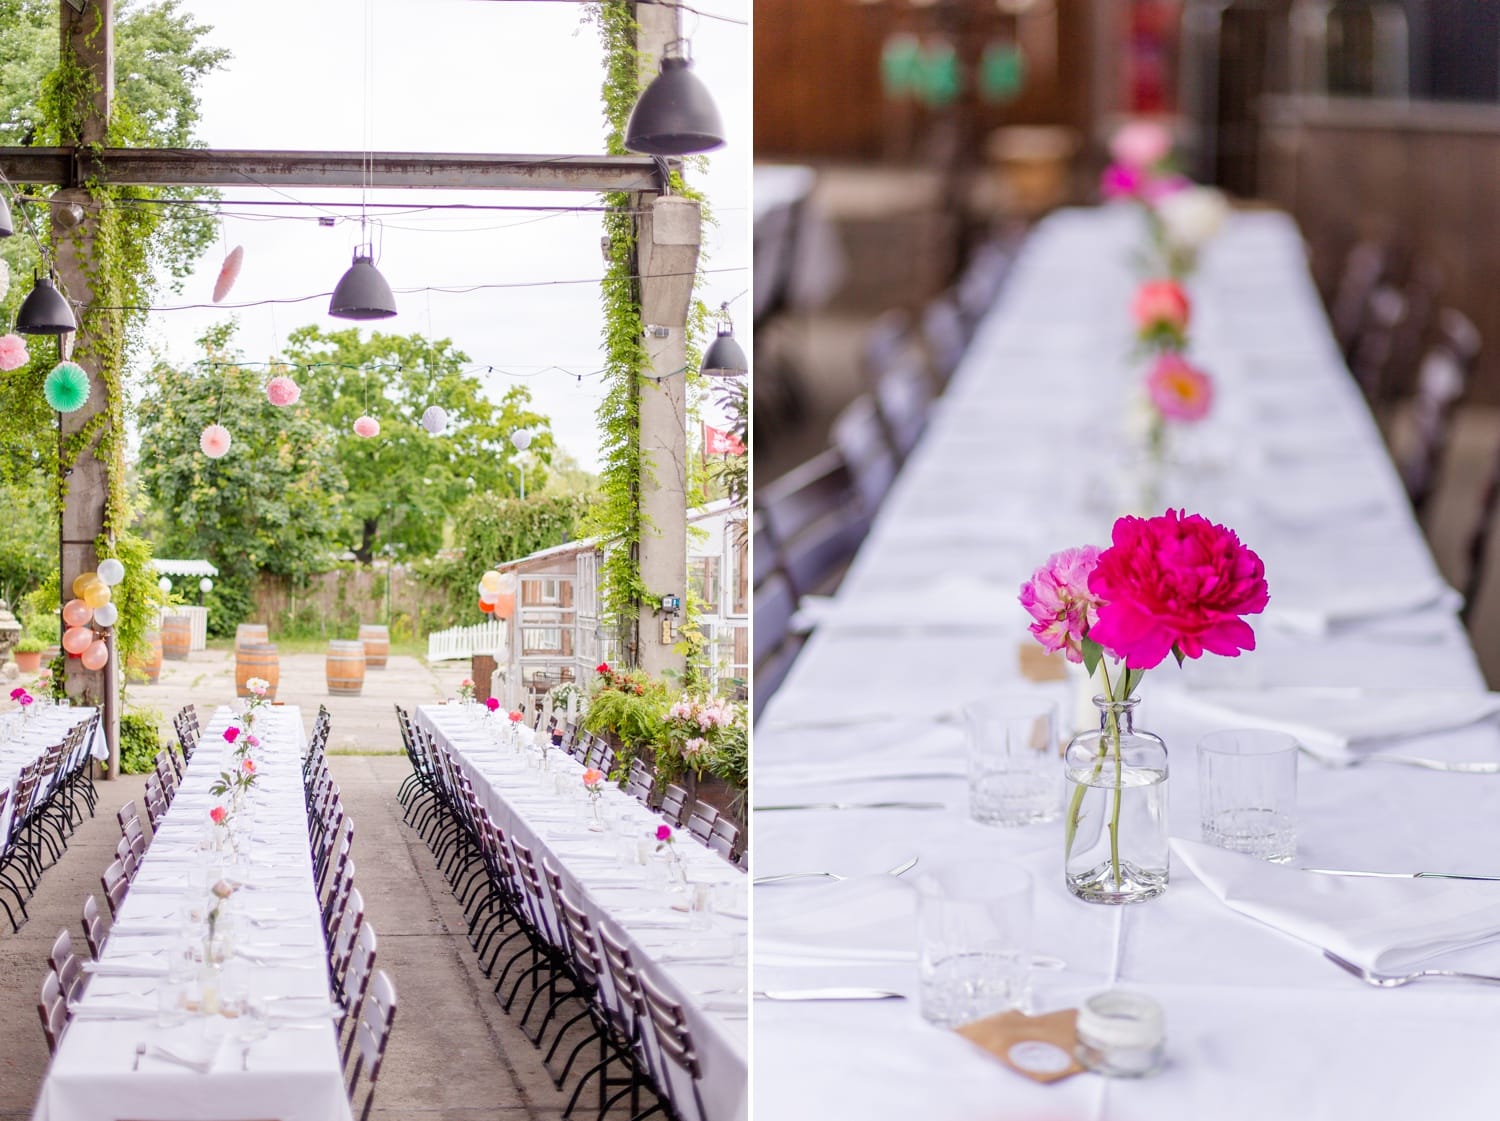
(1403, 875)
(828, 994)
(856, 806)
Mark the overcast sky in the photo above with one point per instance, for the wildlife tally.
(512, 76)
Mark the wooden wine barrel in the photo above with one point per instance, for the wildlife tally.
(377, 640)
(256, 659)
(150, 665)
(251, 634)
(346, 668)
(176, 637)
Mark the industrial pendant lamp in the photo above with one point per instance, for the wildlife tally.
(725, 358)
(44, 311)
(362, 293)
(675, 116)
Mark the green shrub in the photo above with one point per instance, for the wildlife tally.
(139, 741)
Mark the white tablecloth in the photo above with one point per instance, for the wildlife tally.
(693, 965)
(294, 1073)
(1020, 461)
(27, 739)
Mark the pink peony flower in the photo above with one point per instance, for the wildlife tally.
(493, 704)
(1121, 182)
(17, 694)
(1161, 305)
(215, 441)
(367, 426)
(25, 699)
(231, 733)
(1176, 583)
(1057, 596)
(1179, 391)
(1140, 144)
(218, 814)
(282, 391)
(13, 352)
(663, 833)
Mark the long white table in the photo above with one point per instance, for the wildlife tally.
(294, 1072)
(26, 739)
(1023, 457)
(694, 966)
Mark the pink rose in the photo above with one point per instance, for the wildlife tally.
(218, 814)
(663, 832)
(1177, 583)
(1161, 306)
(1178, 390)
(1140, 144)
(516, 716)
(492, 704)
(231, 733)
(248, 766)
(252, 741)
(1057, 596)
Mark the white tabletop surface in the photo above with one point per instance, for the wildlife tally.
(294, 1073)
(694, 965)
(24, 739)
(1022, 459)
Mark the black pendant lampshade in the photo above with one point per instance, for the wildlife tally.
(7, 225)
(362, 293)
(675, 116)
(725, 358)
(44, 311)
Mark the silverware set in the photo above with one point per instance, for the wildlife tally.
(784, 877)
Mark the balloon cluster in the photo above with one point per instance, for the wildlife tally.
(497, 594)
(92, 604)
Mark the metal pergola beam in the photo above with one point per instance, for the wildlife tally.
(220, 167)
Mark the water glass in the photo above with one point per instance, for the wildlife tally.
(700, 905)
(1247, 792)
(973, 941)
(1015, 769)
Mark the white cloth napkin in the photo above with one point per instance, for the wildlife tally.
(955, 603)
(1335, 719)
(865, 918)
(1315, 614)
(1385, 925)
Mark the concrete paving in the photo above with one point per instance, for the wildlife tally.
(454, 1052)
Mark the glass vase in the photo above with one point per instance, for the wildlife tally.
(1115, 822)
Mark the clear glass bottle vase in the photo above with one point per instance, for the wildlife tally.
(1115, 820)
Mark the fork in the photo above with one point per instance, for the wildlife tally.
(1396, 980)
(1482, 768)
(784, 876)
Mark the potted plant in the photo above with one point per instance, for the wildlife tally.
(28, 654)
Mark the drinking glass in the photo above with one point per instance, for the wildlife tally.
(1247, 792)
(700, 905)
(1015, 768)
(973, 941)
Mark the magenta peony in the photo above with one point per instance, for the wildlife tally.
(1121, 182)
(282, 391)
(1177, 583)
(1179, 391)
(13, 352)
(1057, 596)
(367, 426)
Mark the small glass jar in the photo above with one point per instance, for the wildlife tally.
(1121, 1034)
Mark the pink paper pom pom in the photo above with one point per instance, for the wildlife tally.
(214, 441)
(229, 272)
(283, 391)
(13, 352)
(367, 426)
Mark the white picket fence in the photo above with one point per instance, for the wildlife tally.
(464, 642)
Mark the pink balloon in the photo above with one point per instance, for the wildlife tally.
(96, 656)
(76, 613)
(77, 639)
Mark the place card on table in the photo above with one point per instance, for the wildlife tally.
(1039, 1047)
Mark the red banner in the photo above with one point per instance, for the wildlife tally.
(721, 443)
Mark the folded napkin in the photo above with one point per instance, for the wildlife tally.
(1334, 719)
(957, 603)
(105, 1010)
(888, 751)
(1316, 611)
(194, 1052)
(125, 969)
(724, 1004)
(1385, 925)
(864, 918)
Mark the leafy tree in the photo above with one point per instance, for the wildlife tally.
(28, 536)
(404, 484)
(272, 504)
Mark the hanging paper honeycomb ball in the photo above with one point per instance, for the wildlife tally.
(66, 387)
(283, 391)
(367, 426)
(215, 441)
(4, 280)
(13, 352)
(229, 272)
(435, 420)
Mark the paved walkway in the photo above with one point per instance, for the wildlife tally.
(454, 1052)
